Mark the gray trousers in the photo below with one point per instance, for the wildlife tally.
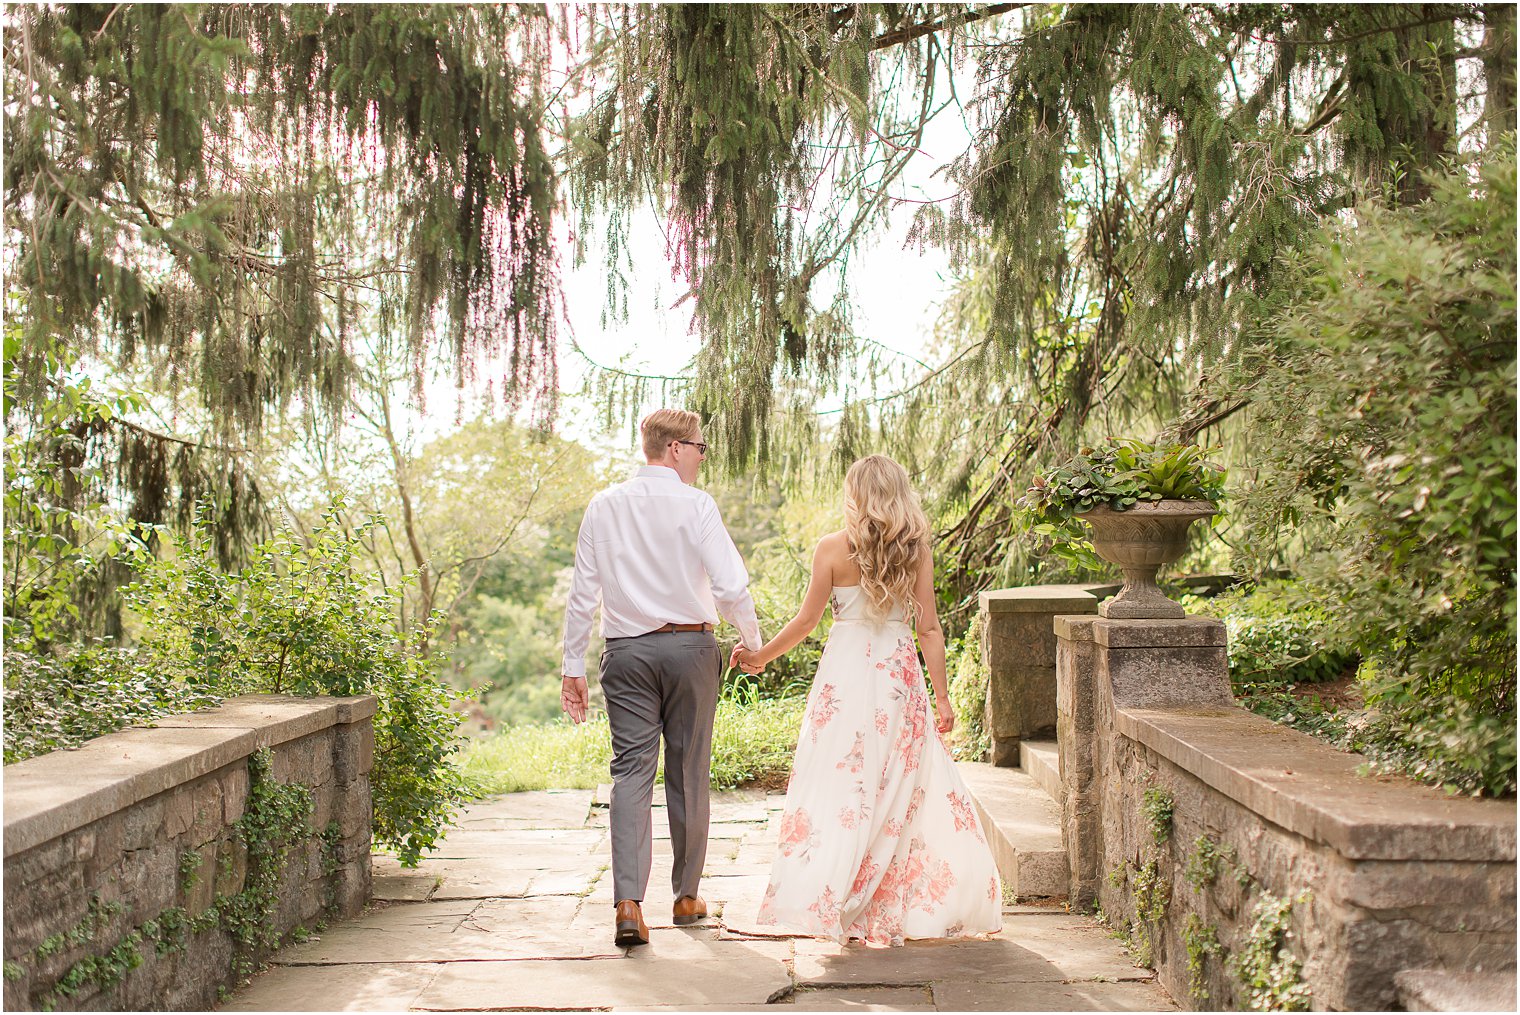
(660, 684)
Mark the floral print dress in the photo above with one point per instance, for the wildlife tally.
(878, 840)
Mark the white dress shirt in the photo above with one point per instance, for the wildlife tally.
(657, 552)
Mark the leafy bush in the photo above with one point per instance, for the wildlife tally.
(1278, 634)
(61, 534)
(1384, 418)
(57, 702)
(1463, 750)
(298, 619)
(968, 680)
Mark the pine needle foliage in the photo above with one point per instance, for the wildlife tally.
(1138, 177)
(217, 193)
(741, 122)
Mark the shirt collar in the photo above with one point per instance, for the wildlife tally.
(657, 472)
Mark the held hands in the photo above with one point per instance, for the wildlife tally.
(574, 696)
(944, 716)
(744, 659)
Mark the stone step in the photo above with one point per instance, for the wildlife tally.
(1023, 826)
(1041, 759)
(1443, 990)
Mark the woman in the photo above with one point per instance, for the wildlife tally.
(879, 840)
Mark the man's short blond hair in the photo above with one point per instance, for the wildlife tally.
(662, 426)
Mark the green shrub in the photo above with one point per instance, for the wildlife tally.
(1463, 750)
(55, 702)
(1278, 634)
(299, 619)
(1383, 418)
(968, 679)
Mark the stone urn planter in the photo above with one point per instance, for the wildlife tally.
(1141, 540)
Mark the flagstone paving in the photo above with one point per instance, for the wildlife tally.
(515, 912)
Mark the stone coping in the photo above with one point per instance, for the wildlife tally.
(53, 794)
(1046, 598)
(1188, 632)
(1311, 788)
(1078, 627)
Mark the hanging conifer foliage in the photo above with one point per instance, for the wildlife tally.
(220, 191)
(1137, 175)
(761, 132)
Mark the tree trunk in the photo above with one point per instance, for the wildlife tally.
(1499, 68)
(424, 581)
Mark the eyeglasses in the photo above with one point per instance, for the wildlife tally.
(698, 445)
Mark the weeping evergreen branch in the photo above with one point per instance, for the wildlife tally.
(218, 193)
(768, 137)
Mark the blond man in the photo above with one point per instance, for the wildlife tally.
(655, 552)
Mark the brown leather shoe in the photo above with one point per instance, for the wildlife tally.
(688, 909)
(631, 929)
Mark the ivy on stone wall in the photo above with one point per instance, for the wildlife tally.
(1270, 973)
(1209, 860)
(276, 818)
(1158, 813)
(1201, 940)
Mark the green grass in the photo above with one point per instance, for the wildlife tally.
(753, 742)
(553, 755)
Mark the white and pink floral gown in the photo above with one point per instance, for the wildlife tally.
(879, 839)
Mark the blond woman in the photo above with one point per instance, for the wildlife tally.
(879, 841)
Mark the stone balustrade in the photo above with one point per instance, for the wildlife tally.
(151, 867)
(1240, 856)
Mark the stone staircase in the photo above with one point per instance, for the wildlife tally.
(1042, 760)
(1020, 812)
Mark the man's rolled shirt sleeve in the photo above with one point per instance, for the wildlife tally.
(581, 604)
(730, 580)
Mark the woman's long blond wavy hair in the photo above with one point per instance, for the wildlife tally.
(887, 529)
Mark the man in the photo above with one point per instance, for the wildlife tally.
(656, 551)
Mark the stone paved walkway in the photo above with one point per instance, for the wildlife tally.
(515, 912)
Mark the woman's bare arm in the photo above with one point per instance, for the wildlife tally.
(820, 585)
(931, 637)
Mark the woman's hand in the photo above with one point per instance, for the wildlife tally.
(944, 716)
(744, 659)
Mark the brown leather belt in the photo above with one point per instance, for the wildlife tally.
(668, 628)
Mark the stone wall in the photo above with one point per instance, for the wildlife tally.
(152, 867)
(1019, 652)
(1240, 856)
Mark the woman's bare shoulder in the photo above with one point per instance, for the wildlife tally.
(834, 551)
(834, 546)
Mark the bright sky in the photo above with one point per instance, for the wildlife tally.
(896, 295)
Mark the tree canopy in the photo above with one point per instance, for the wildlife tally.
(1236, 223)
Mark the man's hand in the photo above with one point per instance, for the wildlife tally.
(574, 696)
(744, 659)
